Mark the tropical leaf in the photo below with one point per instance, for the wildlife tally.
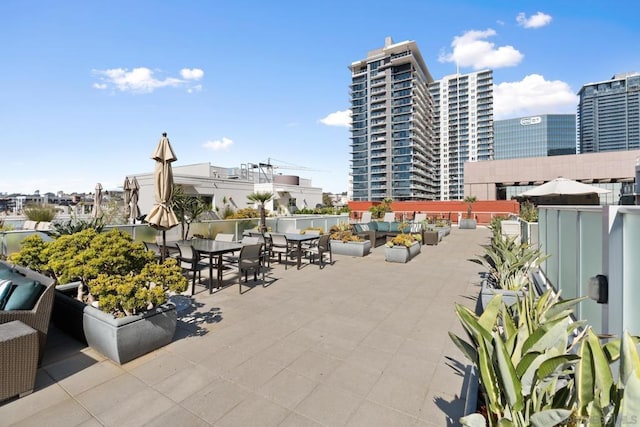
(511, 386)
(467, 349)
(550, 417)
(473, 420)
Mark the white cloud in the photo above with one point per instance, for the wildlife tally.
(472, 50)
(533, 95)
(191, 74)
(534, 21)
(339, 118)
(142, 80)
(218, 145)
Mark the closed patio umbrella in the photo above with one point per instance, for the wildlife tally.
(97, 201)
(127, 197)
(162, 216)
(135, 192)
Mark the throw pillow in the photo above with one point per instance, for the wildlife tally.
(24, 296)
(365, 227)
(6, 286)
(359, 228)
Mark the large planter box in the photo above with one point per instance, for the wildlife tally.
(487, 293)
(126, 338)
(68, 311)
(358, 249)
(400, 253)
(467, 224)
(120, 339)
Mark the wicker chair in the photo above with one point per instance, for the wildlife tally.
(40, 315)
(18, 359)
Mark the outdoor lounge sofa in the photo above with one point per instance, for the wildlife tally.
(379, 232)
(32, 305)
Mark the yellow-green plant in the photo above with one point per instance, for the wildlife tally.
(123, 266)
(343, 232)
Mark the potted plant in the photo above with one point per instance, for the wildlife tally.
(402, 247)
(116, 295)
(469, 222)
(509, 264)
(344, 242)
(261, 198)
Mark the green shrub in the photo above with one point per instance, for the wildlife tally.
(40, 213)
(528, 211)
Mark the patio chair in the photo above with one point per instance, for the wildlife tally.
(189, 261)
(281, 246)
(389, 217)
(246, 240)
(250, 259)
(323, 247)
(419, 217)
(366, 217)
(155, 248)
(224, 237)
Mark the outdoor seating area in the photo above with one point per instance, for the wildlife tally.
(363, 342)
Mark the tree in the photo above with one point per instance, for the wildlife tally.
(261, 198)
(470, 200)
(187, 208)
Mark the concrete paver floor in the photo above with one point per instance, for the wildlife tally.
(361, 342)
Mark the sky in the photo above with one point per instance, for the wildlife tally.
(87, 88)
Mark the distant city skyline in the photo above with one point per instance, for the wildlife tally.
(89, 88)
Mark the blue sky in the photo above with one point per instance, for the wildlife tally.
(87, 88)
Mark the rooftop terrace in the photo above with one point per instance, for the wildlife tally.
(361, 342)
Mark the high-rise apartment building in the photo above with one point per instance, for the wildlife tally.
(392, 152)
(534, 136)
(463, 126)
(609, 114)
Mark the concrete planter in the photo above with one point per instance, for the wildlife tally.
(120, 339)
(123, 339)
(487, 293)
(68, 311)
(401, 253)
(467, 224)
(358, 249)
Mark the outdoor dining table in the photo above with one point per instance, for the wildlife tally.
(212, 248)
(299, 238)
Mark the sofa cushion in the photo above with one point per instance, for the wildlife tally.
(24, 296)
(373, 226)
(383, 226)
(394, 226)
(6, 286)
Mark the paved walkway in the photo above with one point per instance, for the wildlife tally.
(361, 342)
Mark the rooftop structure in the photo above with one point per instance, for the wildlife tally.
(535, 136)
(392, 140)
(609, 114)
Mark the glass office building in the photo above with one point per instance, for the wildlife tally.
(535, 136)
(463, 126)
(609, 114)
(392, 125)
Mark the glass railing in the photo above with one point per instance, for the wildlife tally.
(585, 241)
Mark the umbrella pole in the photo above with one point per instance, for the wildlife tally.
(164, 245)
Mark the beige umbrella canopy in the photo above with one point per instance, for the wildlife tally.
(563, 186)
(135, 192)
(127, 197)
(162, 216)
(97, 201)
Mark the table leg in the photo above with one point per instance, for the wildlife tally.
(210, 273)
(299, 254)
(219, 271)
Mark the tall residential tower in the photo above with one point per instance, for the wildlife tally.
(609, 114)
(392, 151)
(463, 127)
